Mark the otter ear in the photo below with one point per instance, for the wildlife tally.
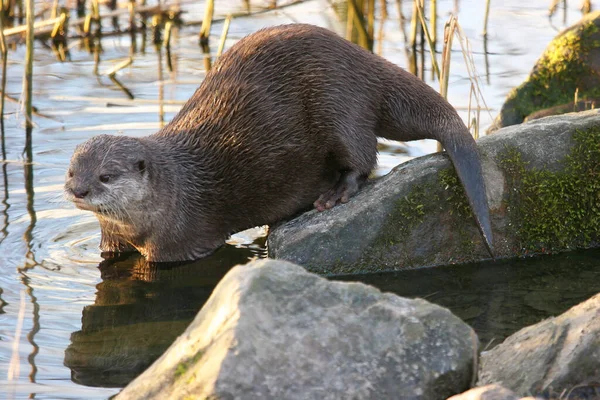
(141, 165)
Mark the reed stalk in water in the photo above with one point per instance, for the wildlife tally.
(434, 63)
(433, 21)
(131, 8)
(119, 66)
(586, 6)
(380, 34)
(167, 38)
(433, 31)
(209, 11)
(414, 26)
(28, 79)
(371, 19)
(224, 35)
(449, 29)
(350, 20)
(486, 17)
(356, 20)
(54, 10)
(4, 51)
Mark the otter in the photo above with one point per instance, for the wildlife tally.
(286, 119)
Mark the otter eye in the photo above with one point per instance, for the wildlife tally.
(104, 178)
(141, 165)
(70, 173)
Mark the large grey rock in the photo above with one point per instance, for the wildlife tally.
(489, 392)
(555, 357)
(569, 68)
(417, 215)
(271, 330)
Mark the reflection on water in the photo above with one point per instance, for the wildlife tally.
(499, 298)
(69, 319)
(139, 310)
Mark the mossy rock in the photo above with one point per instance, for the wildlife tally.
(543, 191)
(569, 69)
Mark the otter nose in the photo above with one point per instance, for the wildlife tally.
(80, 193)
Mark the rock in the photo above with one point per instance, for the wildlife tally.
(556, 357)
(570, 64)
(541, 185)
(581, 105)
(489, 392)
(271, 330)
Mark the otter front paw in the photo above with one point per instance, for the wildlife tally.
(110, 244)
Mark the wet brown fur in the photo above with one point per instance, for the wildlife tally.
(280, 117)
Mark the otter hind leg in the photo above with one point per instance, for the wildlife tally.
(353, 157)
(348, 184)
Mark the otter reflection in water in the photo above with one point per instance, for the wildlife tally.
(287, 118)
(139, 310)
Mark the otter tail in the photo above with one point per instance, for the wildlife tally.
(462, 149)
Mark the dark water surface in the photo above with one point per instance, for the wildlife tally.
(71, 321)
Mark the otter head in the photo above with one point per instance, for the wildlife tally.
(108, 175)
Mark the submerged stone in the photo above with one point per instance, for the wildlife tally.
(271, 330)
(542, 188)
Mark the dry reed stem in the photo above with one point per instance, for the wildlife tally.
(358, 21)
(371, 19)
(350, 20)
(586, 6)
(434, 63)
(247, 14)
(168, 29)
(4, 51)
(119, 66)
(28, 78)
(131, 9)
(223, 35)
(449, 29)
(433, 21)
(413, 25)
(553, 7)
(380, 33)
(486, 17)
(209, 11)
(54, 9)
(45, 27)
(60, 24)
(470, 64)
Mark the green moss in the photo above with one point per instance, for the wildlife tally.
(408, 212)
(442, 192)
(455, 193)
(184, 366)
(562, 70)
(458, 206)
(556, 210)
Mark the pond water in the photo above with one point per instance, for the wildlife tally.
(73, 325)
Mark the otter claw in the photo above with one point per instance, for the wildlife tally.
(345, 188)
